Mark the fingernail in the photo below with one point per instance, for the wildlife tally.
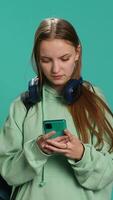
(53, 131)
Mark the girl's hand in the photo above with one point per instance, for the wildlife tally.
(42, 141)
(71, 146)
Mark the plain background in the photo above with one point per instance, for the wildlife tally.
(18, 22)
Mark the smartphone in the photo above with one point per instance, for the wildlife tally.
(57, 125)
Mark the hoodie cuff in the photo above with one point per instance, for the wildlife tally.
(84, 158)
(33, 152)
(41, 152)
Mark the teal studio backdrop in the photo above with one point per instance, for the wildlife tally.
(18, 22)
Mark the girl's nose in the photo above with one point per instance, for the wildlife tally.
(55, 67)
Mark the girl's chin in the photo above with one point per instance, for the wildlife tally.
(58, 83)
(55, 82)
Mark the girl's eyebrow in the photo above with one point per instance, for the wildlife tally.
(44, 57)
(67, 54)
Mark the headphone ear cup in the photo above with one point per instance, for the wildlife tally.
(34, 94)
(34, 91)
(72, 90)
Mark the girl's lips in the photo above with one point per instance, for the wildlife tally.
(57, 77)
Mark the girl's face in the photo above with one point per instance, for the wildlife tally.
(57, 61)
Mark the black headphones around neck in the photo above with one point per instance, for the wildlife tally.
(71, 92)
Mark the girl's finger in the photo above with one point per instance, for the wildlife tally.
(57, 144)
(48, 151)
(68, 133)
(48, 135)
(55, 149)
(60, 138)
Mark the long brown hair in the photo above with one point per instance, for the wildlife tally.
(90, 111)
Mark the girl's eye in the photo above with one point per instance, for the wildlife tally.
(45, 61)
(65, 59)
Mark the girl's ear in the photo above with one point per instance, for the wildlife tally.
(77, 52)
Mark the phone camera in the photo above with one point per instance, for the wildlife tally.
(48, 126)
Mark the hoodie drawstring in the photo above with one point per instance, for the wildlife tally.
(42, 182)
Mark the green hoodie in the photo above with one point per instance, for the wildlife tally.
(50, 177)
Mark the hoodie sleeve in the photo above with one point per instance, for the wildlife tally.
(95, 170)
(18, 164)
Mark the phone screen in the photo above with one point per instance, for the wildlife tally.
(55, 125)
